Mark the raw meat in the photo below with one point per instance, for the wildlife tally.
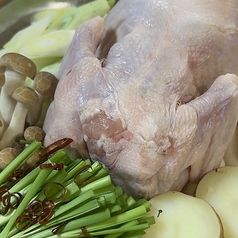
(151, 91)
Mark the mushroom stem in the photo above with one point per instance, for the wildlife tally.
(45, 84)
(25, 97)
(16, 126)
(2, 126)
(2, 78)
(16, 68)
(34, 112)
(7, 103)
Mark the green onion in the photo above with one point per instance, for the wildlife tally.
(63, 197)
(79, 199)
(72, 17)
(43, 174)
(50, 33)
(29, 33)
(20, 159)
(111, 3)
(52, 44)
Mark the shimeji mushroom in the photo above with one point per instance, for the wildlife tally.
(2, 82)
(17, 145)
(2, 125)
(32, 161)
(25, 97)
(7, 155)
(16, 68)
(45, 84)
(2, 78)
(33, 133)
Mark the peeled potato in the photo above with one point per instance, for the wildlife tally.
(180, 216)
(220, 188)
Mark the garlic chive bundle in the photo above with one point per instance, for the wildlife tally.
(63, 197)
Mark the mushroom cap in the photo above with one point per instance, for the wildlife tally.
(18, 63)
(6, 156)
(32, 161)
(25, 95)
(33, 133)
(45, 84)
(2, 78)
(17, 145)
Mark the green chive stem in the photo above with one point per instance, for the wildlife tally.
(44, 173)
(19, 160)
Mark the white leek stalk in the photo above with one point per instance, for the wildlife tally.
(29, 33)
(52, 44)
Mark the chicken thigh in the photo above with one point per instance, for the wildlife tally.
(151, 91)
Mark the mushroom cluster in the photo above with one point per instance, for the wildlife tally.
(23, 92)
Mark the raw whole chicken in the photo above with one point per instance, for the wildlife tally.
(151, 91)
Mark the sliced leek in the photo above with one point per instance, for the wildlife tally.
(52, 44)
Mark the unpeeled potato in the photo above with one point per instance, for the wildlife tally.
(220, 188)
(182, 216)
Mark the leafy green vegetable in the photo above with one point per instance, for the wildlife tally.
(63, 197)
(70, 198)
(48, 37)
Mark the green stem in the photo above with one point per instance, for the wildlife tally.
(19, 160)
(119, 219)
(111, 3)
(40, 179)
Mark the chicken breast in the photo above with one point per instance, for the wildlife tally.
(151, 91)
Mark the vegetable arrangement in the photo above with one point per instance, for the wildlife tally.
(44, 193)
(29, 63)
(180, 215)
(66, 198)
(47, 38)
(210, 212)
(23, 94)
(219, 189)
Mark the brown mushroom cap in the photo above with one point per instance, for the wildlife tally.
(32, 161)
(45, 84)
(25, 95)
(18, 63)
(17, 145)
(33, 133)
(6, 156)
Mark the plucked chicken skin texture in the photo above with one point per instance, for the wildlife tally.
(151, 91)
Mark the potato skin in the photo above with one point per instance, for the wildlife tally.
(179, 215)
(219, 188)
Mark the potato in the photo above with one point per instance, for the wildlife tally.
(182, 216)
(220, 188)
